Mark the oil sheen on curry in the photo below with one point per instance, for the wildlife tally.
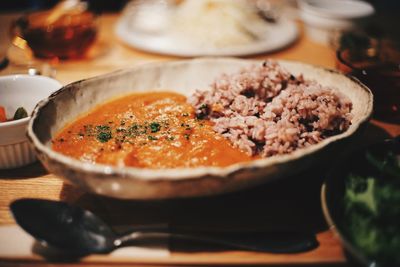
(147, 130)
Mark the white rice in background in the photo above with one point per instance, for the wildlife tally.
(265, 110)
(218, 23)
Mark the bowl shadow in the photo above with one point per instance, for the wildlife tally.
(33, 170)
(287, 205)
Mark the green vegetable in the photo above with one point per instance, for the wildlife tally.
(389, 165)
(20, 113)
(372, 207)
(360, 191)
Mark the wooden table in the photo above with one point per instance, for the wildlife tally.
(291, 203)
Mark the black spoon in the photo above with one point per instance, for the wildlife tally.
(77, 231)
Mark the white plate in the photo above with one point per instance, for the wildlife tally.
(278, 35)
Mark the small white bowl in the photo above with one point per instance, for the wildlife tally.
(325, 18)
(20, 91)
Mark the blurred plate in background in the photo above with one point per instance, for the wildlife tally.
(193, 30)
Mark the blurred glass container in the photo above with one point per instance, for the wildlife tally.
(376, 63)
(6, 20)
(67, 35)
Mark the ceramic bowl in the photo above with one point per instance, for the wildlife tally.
(324, 19)
(20, 91)
(182, 77)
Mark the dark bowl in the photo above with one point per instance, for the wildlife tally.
(341, 215)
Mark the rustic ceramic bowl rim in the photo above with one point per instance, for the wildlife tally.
(178, 174)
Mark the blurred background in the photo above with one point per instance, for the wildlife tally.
(98, 5)
(36, 35)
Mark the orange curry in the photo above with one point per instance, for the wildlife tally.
(147, 130)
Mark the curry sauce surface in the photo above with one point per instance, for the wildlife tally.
(148, 130)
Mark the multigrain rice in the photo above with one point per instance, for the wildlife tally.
(265, 110)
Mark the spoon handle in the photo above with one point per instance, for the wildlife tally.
(278, 242)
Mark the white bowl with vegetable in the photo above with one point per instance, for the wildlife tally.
(18, 96)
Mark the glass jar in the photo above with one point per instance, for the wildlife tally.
(376, 63)
(67, 37)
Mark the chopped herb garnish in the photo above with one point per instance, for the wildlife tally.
(187, 136)
(103, 128)
(104, 136)
(155, 127)
(135, 126)
(150, 137)
(103, 133)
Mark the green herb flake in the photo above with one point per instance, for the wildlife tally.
(103, 128)
(135, 126)
(104, 136)
(152, 138)
(103, 133)
(154, 127)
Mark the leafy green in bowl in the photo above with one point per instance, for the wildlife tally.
(361, 199)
